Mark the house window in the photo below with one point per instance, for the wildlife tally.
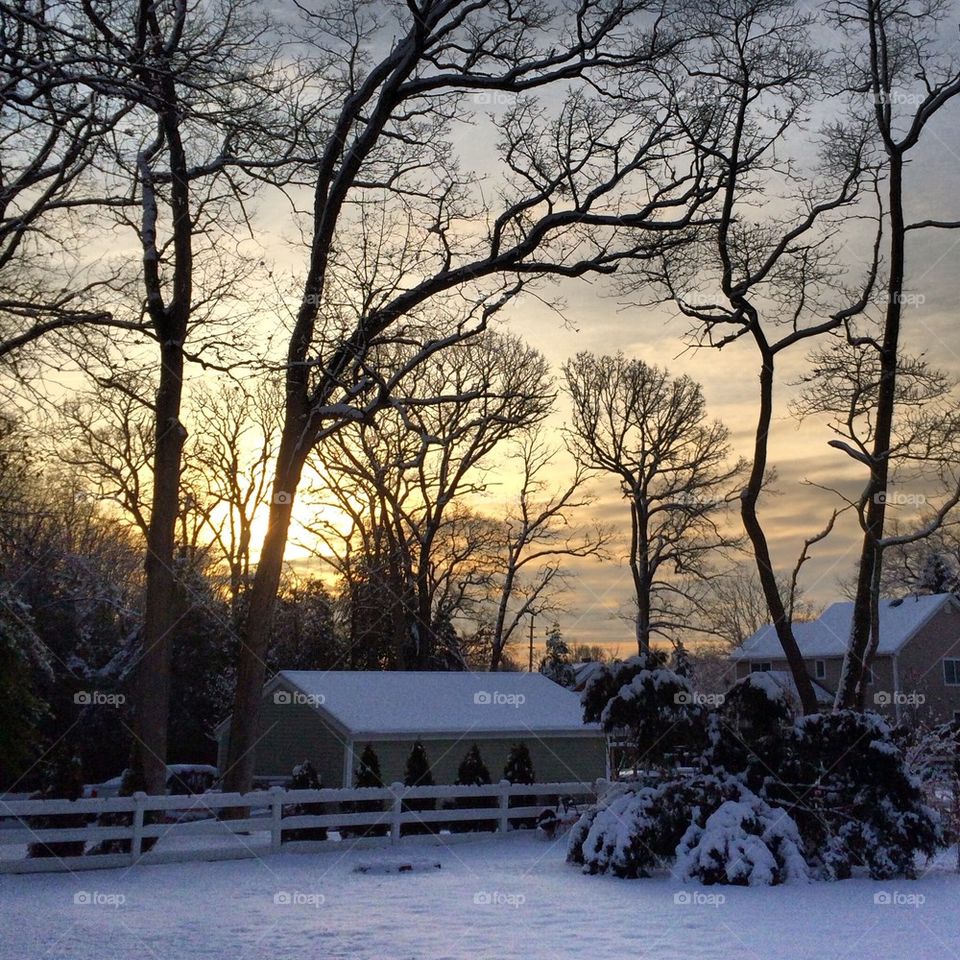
(820, 668)
(951, 671)
(761, 666)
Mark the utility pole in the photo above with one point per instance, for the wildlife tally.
(532, 616)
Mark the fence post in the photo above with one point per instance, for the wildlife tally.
(136, 837)
(397, 788)
(504, 825)
(276, 818)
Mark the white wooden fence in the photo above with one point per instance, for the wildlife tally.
(188, 828)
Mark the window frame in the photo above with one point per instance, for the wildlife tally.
(955, 661)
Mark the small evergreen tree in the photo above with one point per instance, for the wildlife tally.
(556, 663)
(368, 774)
(305, 777)
(417, 774)
(472, 770)
(519, 769)
(368, 770)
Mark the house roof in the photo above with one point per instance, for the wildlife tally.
(367, 703)
(829, 634)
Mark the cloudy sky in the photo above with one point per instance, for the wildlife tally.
(729, 377)
(600, 322)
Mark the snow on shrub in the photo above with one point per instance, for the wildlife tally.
(744, 842)
(656, 706)
(635, 829)
(747, 733)
(860, 807)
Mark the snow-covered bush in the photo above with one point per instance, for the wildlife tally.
(932, 757)
(654, 705)
(607, 679)
(748, 731)
(856, 805)
(635, 829)
(744, 842)
(132, 781)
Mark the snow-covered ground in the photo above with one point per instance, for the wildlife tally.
(493, 898)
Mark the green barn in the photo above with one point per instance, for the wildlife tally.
(328, 717)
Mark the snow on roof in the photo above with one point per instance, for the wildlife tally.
(421, 702)
(828, 635)
(774, 683)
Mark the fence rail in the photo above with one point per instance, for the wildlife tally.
(259, 821)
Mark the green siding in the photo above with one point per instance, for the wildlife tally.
(289, 733)
(554, 758)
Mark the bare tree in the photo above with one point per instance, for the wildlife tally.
(388, 144)
(893, 60)
(772, 279)
(196, 87)
(229, 464)
(650, 431)
(734, 606)
(53, 135)
(534, 540)
(402, 477)
(922, 449)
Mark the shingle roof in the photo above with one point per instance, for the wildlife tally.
(394, 702)
(828, 635)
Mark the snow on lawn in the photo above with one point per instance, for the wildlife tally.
(493, 898)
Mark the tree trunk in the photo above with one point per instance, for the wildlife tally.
(751, 523)
(255, 636)
(506, 592)
(866, 601)
(153, 667)
(640, 570)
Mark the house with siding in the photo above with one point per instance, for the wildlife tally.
(328, 717)
(915, 674)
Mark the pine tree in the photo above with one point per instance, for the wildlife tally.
(417, 774)
(417, 771)
(938, 575)
(305, 777)
(519, 768)
(472, 770)
(368, 774)
(557, 664)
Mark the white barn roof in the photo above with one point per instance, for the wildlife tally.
(366, 703)
(829, 635)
